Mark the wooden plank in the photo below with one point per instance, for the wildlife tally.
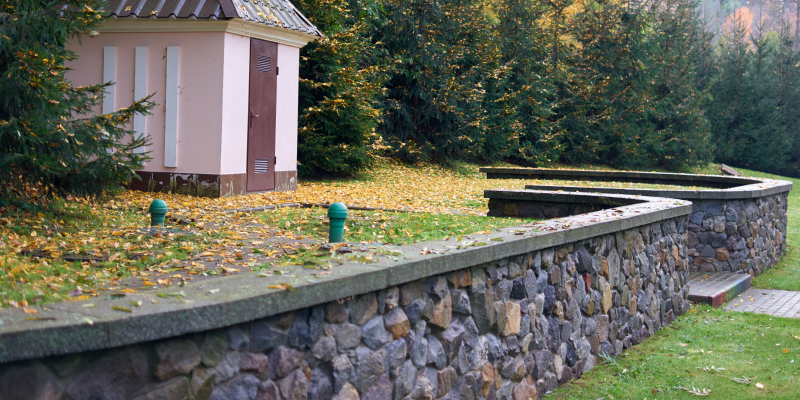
(139, 92)
(171, 108)
(109, 75)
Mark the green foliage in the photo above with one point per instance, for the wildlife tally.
(756, 101)
(631, 100)
(341, 82)
(50, 145)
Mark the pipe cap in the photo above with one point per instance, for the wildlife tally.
(337, 210)
(158, 206)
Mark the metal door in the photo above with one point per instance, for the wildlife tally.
(261, 115)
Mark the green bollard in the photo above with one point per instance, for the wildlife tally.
(158, 209)
(337, 213)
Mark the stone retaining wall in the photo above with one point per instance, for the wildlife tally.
(738, 228)
(738, 235)
(512, 328)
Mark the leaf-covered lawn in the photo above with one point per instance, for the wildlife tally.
(731, 355)
(111, 247)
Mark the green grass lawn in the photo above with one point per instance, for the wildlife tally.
(702, 350)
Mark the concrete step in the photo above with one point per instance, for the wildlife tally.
(716, 288)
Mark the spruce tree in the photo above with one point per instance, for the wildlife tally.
(51, 143)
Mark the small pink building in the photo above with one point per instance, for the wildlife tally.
(225, 77)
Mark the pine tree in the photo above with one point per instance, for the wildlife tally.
(51, 144)
(446, 57)
(341, 84)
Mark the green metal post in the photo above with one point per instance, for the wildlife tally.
(337, 213)
(158, 209)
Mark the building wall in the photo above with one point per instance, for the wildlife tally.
(200, 95)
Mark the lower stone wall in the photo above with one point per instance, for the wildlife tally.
(738, 235)
(515, 328)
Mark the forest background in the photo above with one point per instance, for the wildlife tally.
(665, 84)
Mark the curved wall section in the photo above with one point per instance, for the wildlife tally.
(740, 227)
(509, 314)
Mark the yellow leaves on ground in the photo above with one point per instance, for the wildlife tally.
(282, 286)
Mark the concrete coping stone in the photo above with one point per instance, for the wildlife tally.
(726, 187)
(79, 326)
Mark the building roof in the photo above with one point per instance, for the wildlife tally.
(277, 13)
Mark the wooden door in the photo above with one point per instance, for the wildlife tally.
(261, 115)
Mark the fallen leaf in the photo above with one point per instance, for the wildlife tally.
(282, 286)
(759, 385)
(121, 308)
(128, 290)
(29, 310)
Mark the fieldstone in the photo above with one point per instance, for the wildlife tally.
(265, 337)
(395, 355)
(436, 286)
(212, 349)
(585, 262)
(381, 390)
(482, 306)
(348, 336)
(115, 376)
(229, 366)
(541, 282)
(460, 361)
(525, 390)
(244, 387)
(543, 360)
(368, 371)
(445, 379)
(518, 290)
(324, 349)
(267, 390)
(238, 339)
(391, 298)
(364, 308)
(419, 352)
(176, 357)
(606, 303)
(294, 386)
(436, 354)
(306, 328)
(203, 382)
(336, 313)
(256, 363)
(502, 291)
(319, 386)
(343, 372)
(176, 389)
(721, 255)
(409, 292)
(634, 304)
(30, 382)
(466, 387)
(549, 299)
(442, 312)
(550, 382)
(348, 392)
(452, 338)
(494, 347)
(397, 323)
(461, 302)
(423, 390)
(284, 360)
(414, 310)
(487, 378)
(505, 391)
(511, 323)
(602, 327)
(406, 378)
(553, 334)
(373, 334)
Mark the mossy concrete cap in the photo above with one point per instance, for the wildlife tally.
(337, 210)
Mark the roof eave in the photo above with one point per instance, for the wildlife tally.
(236, 26)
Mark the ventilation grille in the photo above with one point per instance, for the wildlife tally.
(264, 64)
(262, 165)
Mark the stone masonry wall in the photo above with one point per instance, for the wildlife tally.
(737, 235)
(512, 329)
